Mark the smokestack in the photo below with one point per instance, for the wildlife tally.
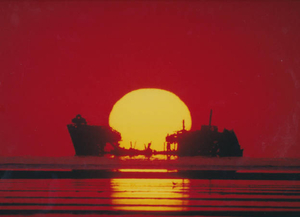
(210, 118)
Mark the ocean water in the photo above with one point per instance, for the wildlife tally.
(44, 191)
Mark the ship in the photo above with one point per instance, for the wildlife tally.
(89, 140)
(207, 141)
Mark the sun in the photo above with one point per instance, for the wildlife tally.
(148, 115)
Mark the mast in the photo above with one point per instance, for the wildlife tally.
(210, 118)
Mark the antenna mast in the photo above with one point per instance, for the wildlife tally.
(210, 118)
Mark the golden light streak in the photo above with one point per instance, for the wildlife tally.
(150, 194)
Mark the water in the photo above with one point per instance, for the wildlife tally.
(52, 192)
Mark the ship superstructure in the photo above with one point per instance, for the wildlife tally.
(207, 141)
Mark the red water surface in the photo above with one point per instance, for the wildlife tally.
(143, 195)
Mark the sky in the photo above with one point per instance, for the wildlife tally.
(63, 58)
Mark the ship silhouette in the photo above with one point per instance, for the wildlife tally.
(91, 140)
(207, 141)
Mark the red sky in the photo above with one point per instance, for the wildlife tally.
(61, 58)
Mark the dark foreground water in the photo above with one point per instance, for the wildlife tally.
(140, 192)
(150, 195)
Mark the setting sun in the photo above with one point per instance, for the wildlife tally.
(148, 115)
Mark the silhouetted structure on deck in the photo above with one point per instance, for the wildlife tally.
(205, 142)
(91, 140)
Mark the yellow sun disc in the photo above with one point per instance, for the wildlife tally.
(148, 115)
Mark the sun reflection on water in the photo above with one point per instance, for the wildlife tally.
(151, 158)
(147, 170)
(150, 194)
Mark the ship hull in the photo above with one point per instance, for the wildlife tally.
(91, 140)
(84, 141)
